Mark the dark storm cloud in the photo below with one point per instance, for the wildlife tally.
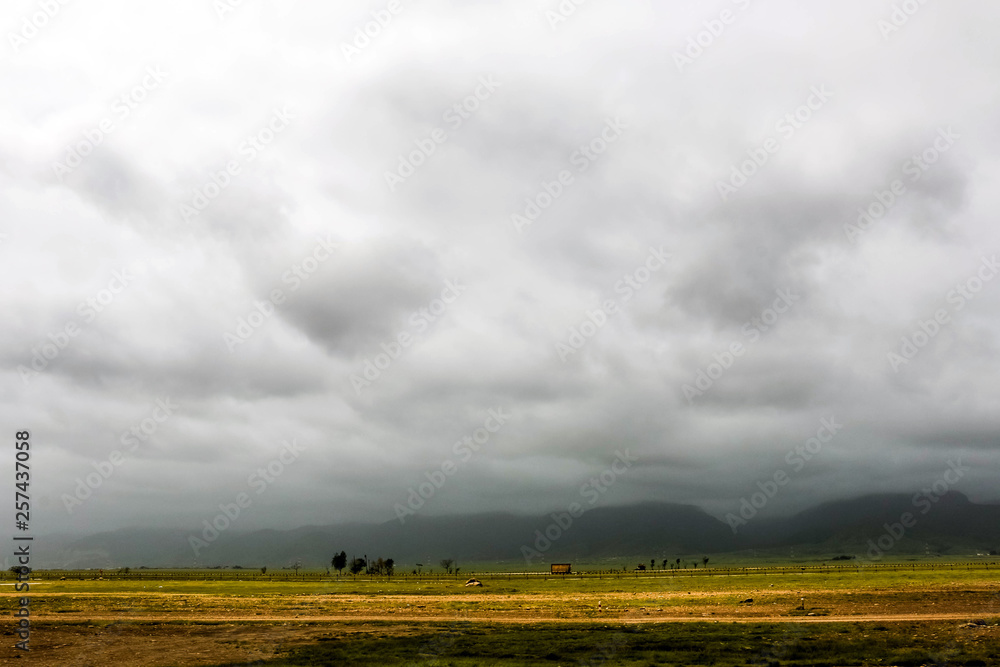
(304, 267)
(368, 293)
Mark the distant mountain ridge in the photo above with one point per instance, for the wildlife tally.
(870, 525)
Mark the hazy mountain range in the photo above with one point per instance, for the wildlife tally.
(896, 524)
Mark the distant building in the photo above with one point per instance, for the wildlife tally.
(560, 568)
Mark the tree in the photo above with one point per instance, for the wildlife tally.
(665, 561)
(381, 566)
(678, 563)
(446, 564)
(339, 561)
(263, 570)
(357, 565)
(652, 564)
(704, 561)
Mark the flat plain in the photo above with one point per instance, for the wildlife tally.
(911, 614)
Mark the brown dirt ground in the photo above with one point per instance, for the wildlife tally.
(249, 640)
(768, 604)
(129, 630)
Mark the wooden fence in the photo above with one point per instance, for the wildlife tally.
(313, 575)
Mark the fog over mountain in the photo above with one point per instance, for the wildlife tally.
(370, 261)
(865, 531)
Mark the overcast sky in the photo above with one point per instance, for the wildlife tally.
(215, 218)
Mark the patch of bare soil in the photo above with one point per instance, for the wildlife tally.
(147, 644)
(225, 639)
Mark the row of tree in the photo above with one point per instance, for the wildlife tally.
(673, 564)
(387, 566)
(380, 566)
(357, 565)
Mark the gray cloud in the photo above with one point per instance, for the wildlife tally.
(291, 371)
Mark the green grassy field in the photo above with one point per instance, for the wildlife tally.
(886, 575)
(721, 645)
